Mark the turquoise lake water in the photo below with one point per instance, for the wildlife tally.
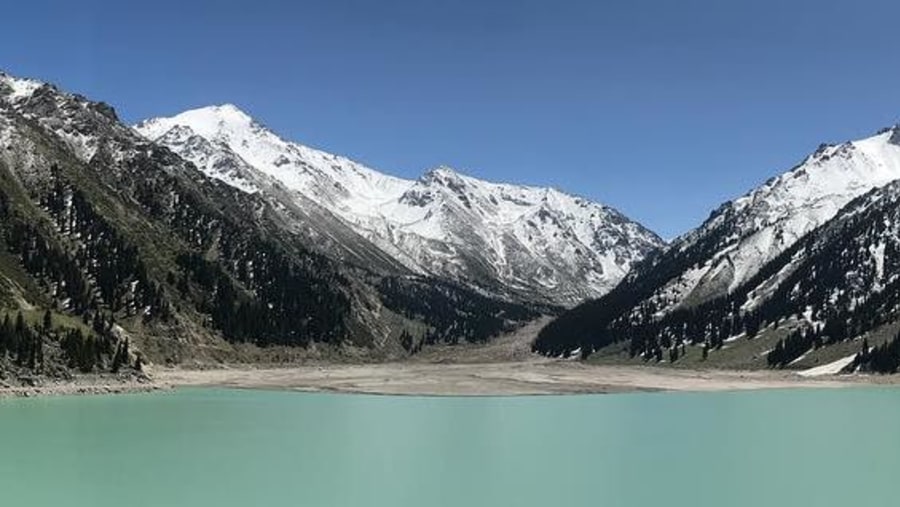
(205, 447)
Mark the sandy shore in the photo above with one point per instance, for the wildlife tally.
(82, 386)
(531, 377)
(519, 378)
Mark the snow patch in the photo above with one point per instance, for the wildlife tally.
(21, 88)
(832, 368)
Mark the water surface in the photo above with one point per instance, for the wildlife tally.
(206, 447)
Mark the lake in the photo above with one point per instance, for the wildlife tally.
(211, 447)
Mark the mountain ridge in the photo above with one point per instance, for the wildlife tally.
(738, 245)
(133, 248)
(514, 241)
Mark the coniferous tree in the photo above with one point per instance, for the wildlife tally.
(884, 358)
(6, 331)
(20, 338)
(48, 320)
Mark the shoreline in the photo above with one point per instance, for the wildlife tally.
(497, 379)
(83, 386)
(416, 378)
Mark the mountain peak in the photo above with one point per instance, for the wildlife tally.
(14, 88)
(224, 110)
(221, 114)
(209, 122)
(444, 170)
(442, 174)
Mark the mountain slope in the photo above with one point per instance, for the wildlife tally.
(317, 226)
(142, 233)
(733, 246)
(517, 242)
(838, 283)
(100, 225)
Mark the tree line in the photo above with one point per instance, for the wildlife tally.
(40, 345)
(884, 358)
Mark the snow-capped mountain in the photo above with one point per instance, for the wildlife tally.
(838, 284)
(753, 229)
(100, 225)
(527, 243)
(843, 276)
(737, 241)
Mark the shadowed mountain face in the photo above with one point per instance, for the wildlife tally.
(527, 244)
(812, 247)
(100, 223)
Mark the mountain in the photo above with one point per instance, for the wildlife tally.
(834, 292)
(704, 277)
(521, 243)
(122, 245)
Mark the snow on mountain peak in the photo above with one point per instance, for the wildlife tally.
(13, 88)
(82, 124)
(210, 121)
(746, 233)
(441, 171)
(514, 239)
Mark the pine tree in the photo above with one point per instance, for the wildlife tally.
(5, 335)
(20, 339)
(32, 352)
(20, 324)
(406, 341)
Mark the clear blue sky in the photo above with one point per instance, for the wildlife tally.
(662, 109)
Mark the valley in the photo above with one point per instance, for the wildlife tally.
(206, 240)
